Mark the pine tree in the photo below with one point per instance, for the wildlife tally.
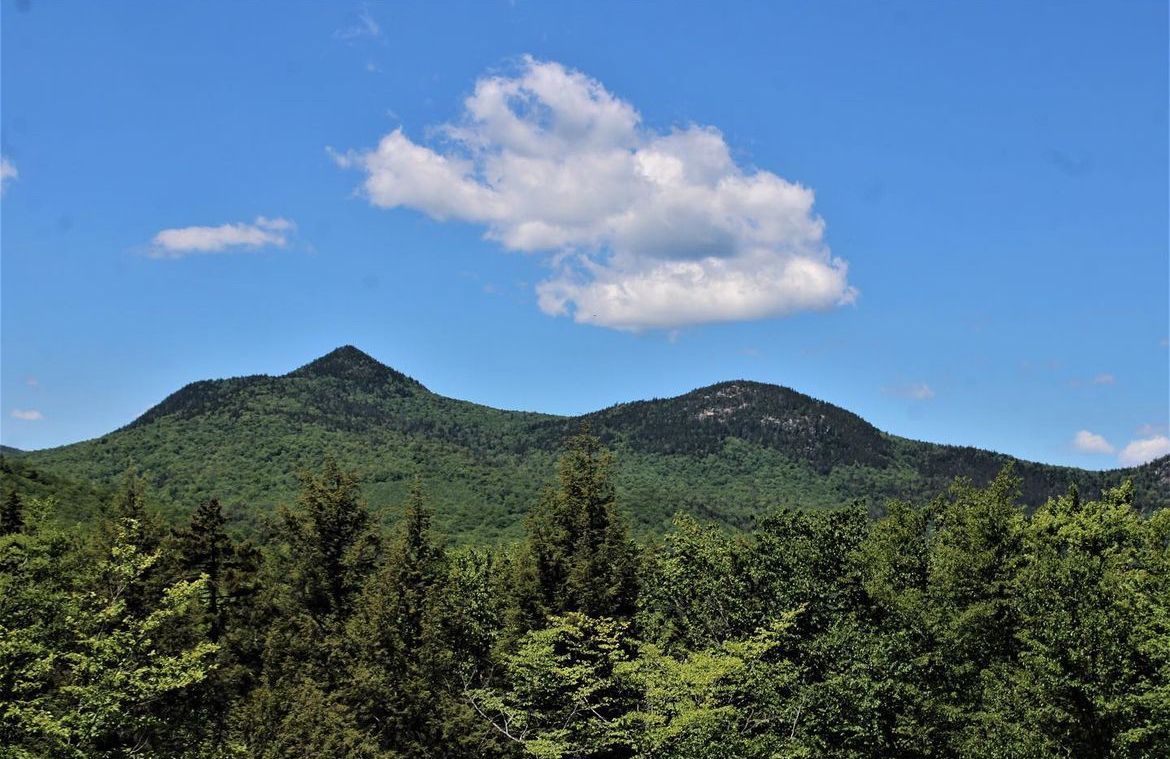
(333, 545)
(403, 683)
(204, 547)
(578, 555)
(328, 550)
(11, 514)
(229, 570)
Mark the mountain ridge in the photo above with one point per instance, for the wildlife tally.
(726, 451)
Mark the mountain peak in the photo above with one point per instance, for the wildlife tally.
(353, 365)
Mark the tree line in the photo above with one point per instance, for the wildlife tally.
(955, 627)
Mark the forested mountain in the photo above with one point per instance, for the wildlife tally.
(726, 452)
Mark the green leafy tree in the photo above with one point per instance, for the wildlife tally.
(803, 560)
(565, 691)
(126, 691)
(107, 680)
(1093, 674)
(697, 589)
(737, 696)
(39, 568)
(975, 556)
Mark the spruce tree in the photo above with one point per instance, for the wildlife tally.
(578, 555)
(403, 683)
(204, 547)
(332, 541)
(11, 514)
(204, 550)
(329, 547)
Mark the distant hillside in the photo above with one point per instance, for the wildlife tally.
(726, 452)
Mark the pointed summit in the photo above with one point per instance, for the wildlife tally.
(352, 365)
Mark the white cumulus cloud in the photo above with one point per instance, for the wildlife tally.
(28, 415)
(1143, 450)
(184, 241)
(8, 172)
(1090, 442)
(646, 228)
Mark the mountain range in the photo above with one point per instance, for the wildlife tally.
(726, 452)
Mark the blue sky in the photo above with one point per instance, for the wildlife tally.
(948, 218)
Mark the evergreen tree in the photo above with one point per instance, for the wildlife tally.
(11, 514)
(578, 555)
(404, 684)
(203, 549)
(328, 549)
(332, 543)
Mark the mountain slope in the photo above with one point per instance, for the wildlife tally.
(726, 451)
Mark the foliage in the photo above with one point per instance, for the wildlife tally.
(86, 675)
(577, 556)
(958, 626)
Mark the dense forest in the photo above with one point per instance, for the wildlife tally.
(723, 453)
(960, 625)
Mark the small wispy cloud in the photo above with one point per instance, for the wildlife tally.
(185, 241)
(1100, 379)
(1143, 450)
(364, 28)
(1090, 442)
(32, 381)
(27, 415)
(8, 173)
(918, 391)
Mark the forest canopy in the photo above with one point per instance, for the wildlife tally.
(957, 626)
